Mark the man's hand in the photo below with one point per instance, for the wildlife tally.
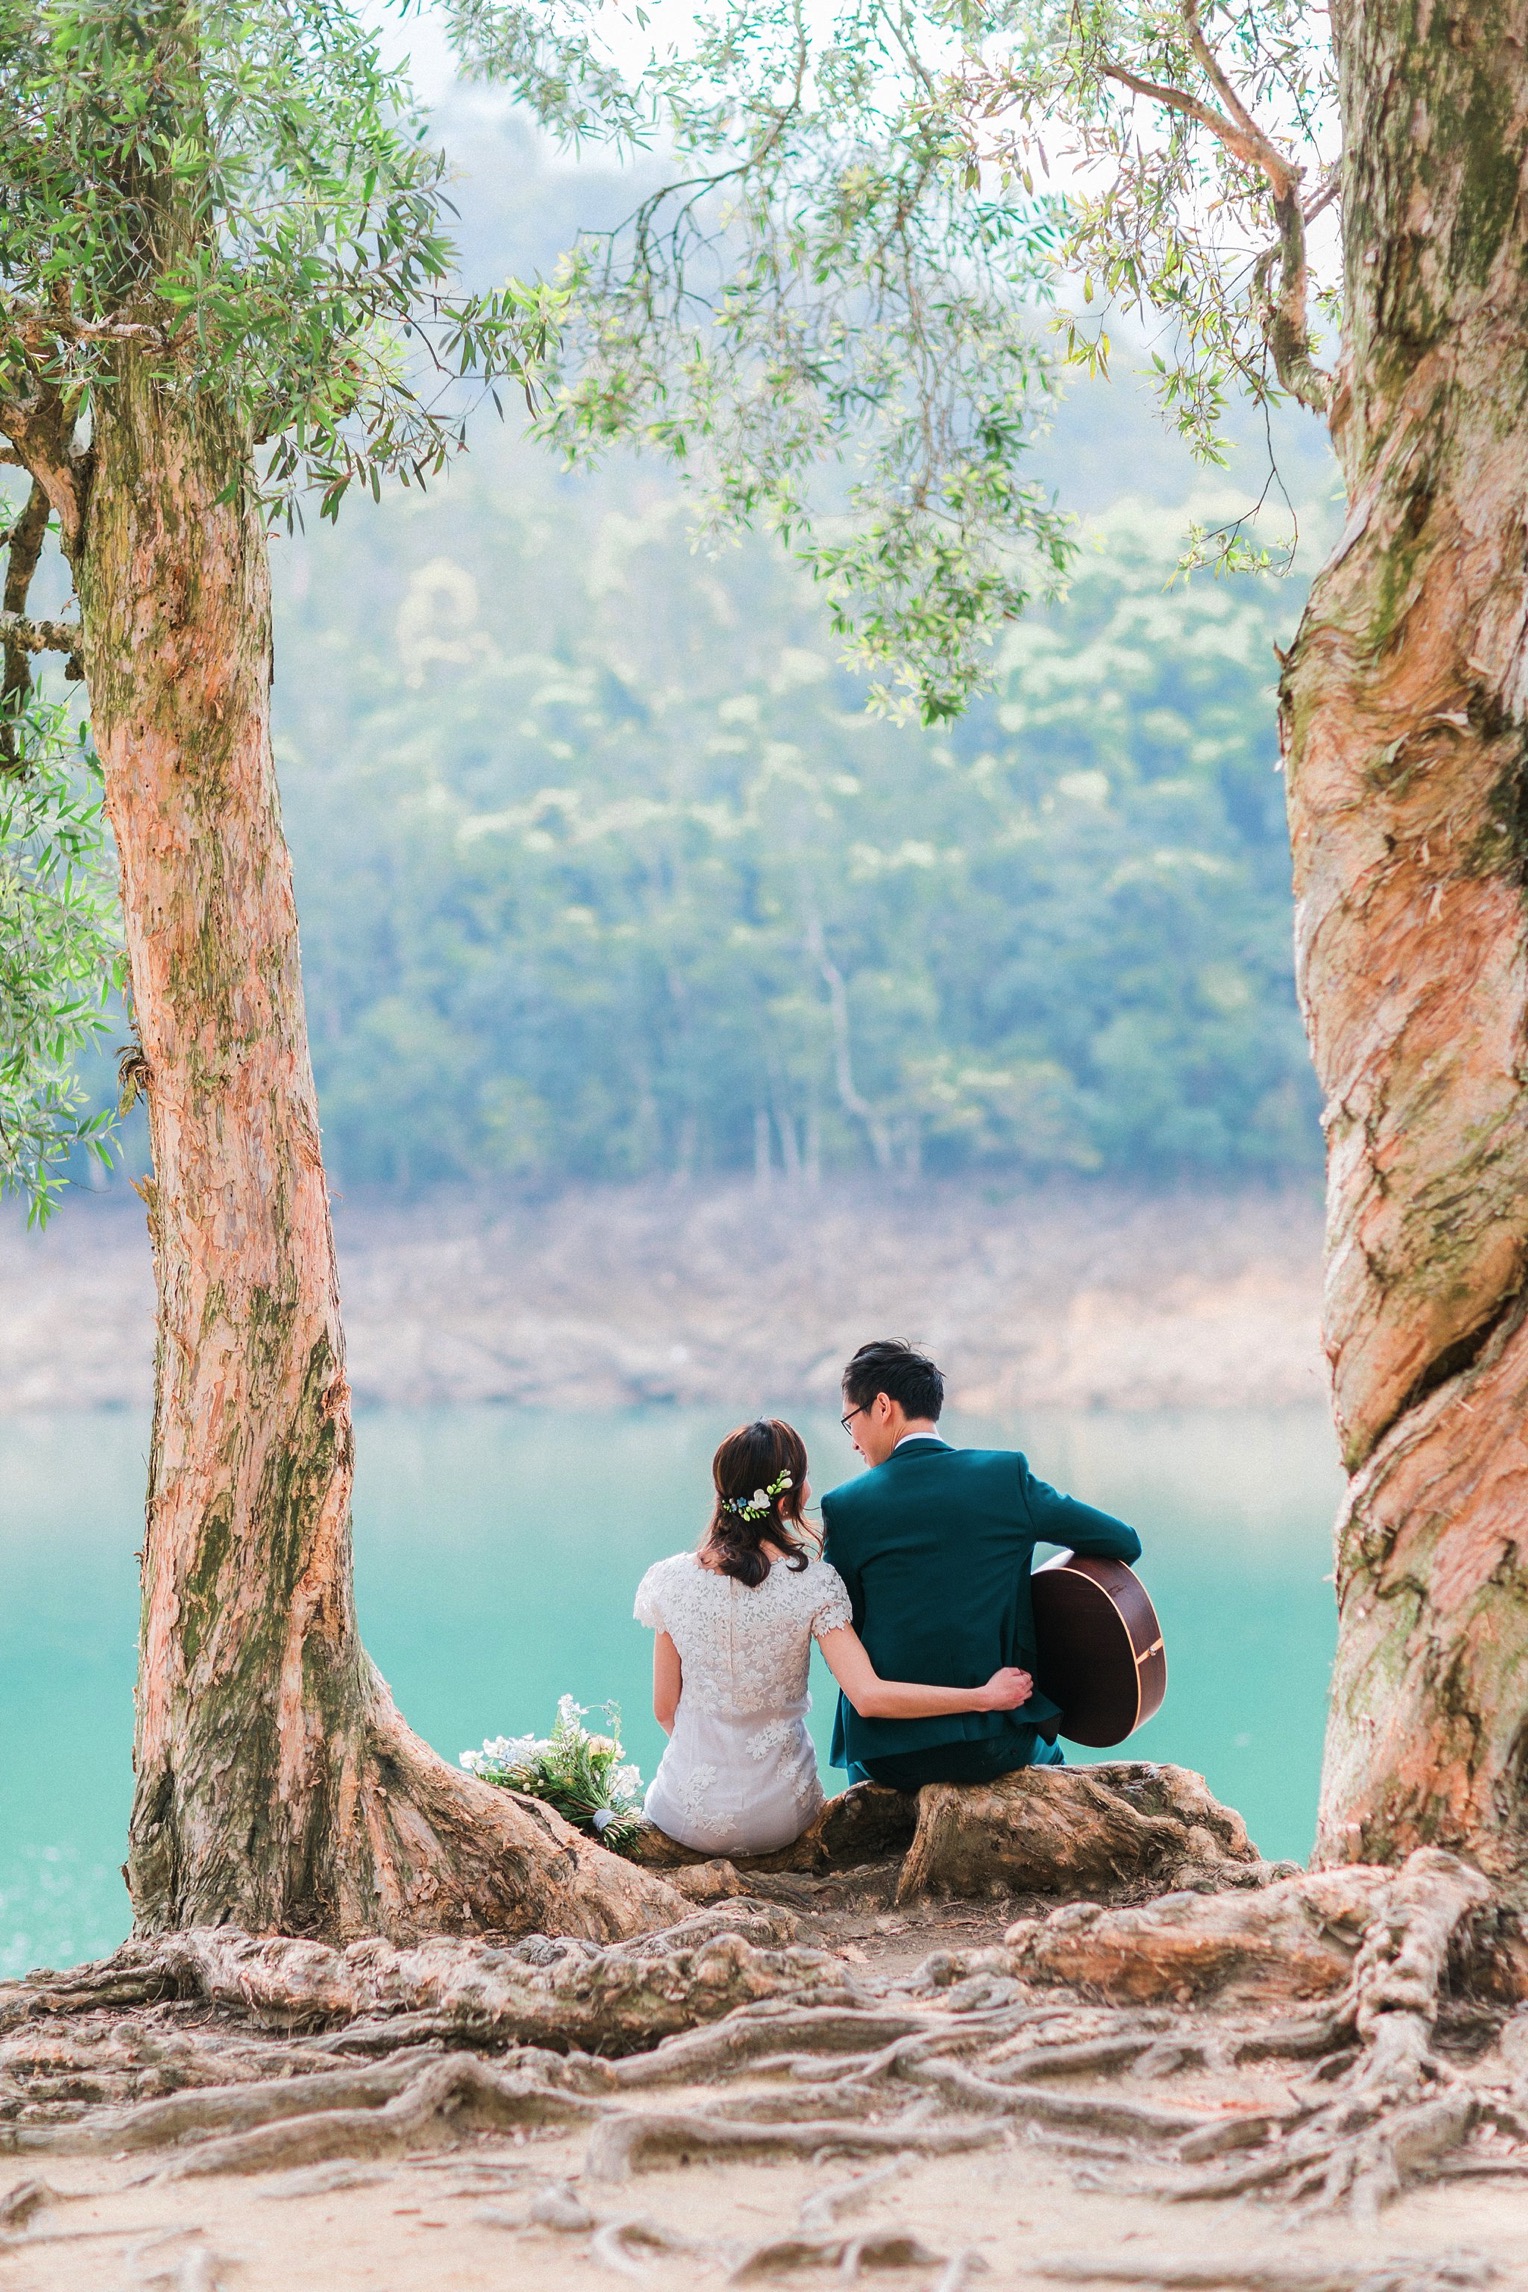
(1006, 1690)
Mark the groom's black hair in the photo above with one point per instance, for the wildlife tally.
(888, 1366)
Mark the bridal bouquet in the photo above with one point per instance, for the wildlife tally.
(579, 1774)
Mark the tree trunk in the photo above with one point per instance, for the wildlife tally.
(277, 1788)
(1403, 717)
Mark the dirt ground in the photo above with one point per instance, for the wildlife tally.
(530, 2212)
(1021, 2214)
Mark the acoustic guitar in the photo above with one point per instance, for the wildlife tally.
(1100, 1648)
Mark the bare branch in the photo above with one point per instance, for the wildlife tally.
(1224, 88)
(39, 636)
(39, 326)
(24, 546)
(41, 430)
(1324, 197)
(1248, 148)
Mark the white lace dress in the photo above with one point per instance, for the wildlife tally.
(740, 1774)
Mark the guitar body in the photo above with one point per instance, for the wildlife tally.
(1100, 1648)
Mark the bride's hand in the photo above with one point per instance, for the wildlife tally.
(1006, 1690)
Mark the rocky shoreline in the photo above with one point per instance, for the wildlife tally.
(1070, 1295)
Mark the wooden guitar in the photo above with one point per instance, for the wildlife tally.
(1100, 1648)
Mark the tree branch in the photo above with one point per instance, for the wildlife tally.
(24, 546)
(1284, 317)
(42, 431)
(36, 326)
(1224, 88)
(40, 636)
(1246, 147)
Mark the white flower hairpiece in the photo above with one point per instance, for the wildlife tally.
(755, 1506)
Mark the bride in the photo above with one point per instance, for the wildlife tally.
(735, 1621)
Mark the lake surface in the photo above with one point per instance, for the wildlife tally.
(496, 1557)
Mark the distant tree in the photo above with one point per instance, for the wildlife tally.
(864, 201)
(222, 284)
(606, 872)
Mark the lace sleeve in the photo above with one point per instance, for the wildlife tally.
(833, 1610)
(648, 1608)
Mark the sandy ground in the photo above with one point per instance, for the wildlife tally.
(1069, 1295)
(1025, 2215)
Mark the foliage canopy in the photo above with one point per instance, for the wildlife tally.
(242, 194)
(238, 196)
(869, 248)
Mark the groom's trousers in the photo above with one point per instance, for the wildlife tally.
(958, 1763)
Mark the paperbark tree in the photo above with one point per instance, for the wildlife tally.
(212, 233)
(1404, 717)
(1191, 151)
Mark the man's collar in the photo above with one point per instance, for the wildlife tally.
(932, 1440)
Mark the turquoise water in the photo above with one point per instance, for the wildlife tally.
(496, 1556)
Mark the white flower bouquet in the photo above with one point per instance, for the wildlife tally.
(580, 1774)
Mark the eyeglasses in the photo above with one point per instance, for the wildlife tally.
(849, 1419)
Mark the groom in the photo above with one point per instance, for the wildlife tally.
(935, 1545)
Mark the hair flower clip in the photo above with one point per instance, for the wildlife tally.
(755, 1506)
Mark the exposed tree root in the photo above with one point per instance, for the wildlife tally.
(628, 2245)
(562, 1995)
(442, 2104)
(53, 2070)
(1398, 2109)
(1294, 1940)
(881, 2248)
(18, 2204)
(745, 2039)
(1131, 2120)
(966, 2051)
(820, 2211)
(1184, 2274)
(225, 2109)
(623, 2144)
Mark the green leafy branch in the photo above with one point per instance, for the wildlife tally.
(61, 962)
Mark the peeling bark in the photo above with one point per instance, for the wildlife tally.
(277, 1787)
(1403, 713)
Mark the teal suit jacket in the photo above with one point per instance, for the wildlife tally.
(935, 1546)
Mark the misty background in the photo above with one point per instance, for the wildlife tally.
(606, 874)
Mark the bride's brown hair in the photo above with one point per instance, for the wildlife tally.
(746, 1466)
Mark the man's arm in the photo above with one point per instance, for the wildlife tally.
(1059, 1519)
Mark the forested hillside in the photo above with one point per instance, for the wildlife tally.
(605, 870)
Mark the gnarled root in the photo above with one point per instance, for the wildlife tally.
(881, 2248)
(1295, 1940)
(1398, 2109)
(743, 2041)
(624, 2144)
(1118, 1831)
(973, 2043)
(443, 2103)
(562, 1995)
(1181, 2273)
